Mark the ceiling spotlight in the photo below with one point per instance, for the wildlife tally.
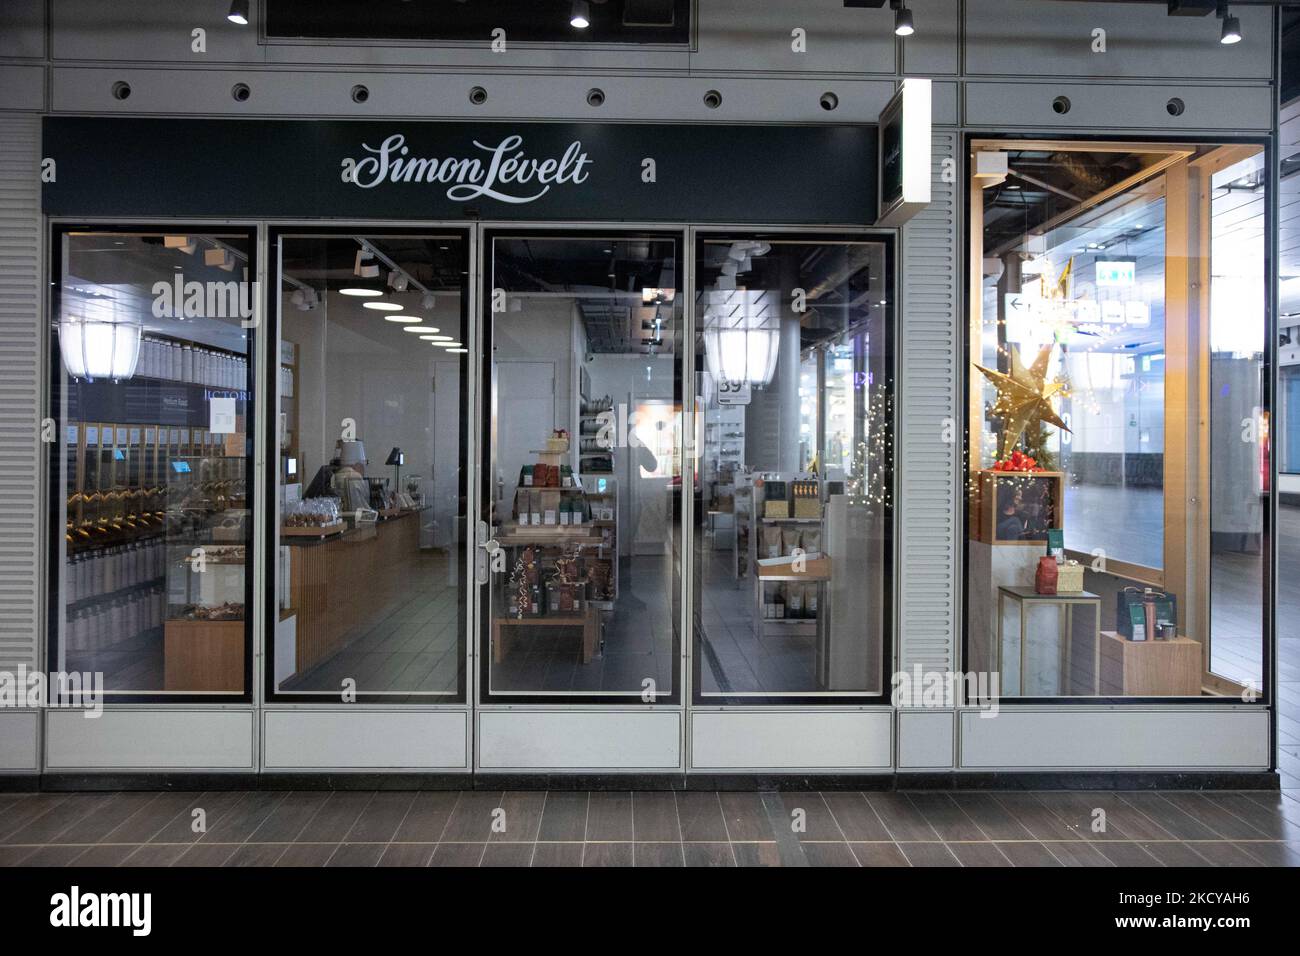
(365, 266)
(580, 17)
(437, 338)
(428, 301)
(420, 328)
(404, 319)
(458, 351)
(382, 306)
(398, 281)
(238, 12)
(1231, 32)
(902, 19)
(360, 292)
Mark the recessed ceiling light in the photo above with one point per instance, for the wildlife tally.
(460, 351)
(360, 292)
(382, 306)
(580, 17)
(452, 345)
(405, 319)
(419, 328)
(437, 338)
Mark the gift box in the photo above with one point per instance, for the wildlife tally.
(1016, 507)
(1069, 577)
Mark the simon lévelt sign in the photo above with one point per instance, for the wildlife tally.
(104, 167)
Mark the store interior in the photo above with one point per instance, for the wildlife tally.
(370, 580)
(794, 391)
(1121, 287)
(153, 395)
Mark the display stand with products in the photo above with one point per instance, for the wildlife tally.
(790, 569)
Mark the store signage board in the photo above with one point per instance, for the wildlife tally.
(905, 153)
(734, 393)
(402, 169)
(1116, 272)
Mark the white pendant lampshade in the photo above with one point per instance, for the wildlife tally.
(741, 340)
(99, 345)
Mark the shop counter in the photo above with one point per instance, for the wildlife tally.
(341, 585)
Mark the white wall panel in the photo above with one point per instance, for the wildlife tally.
(362, 739)
(1126, 738)
(744, 36)
(1097, 106)
(20, 741)
(791, 741)
(588, 740)
(926, 740)
(149, 740)
(928, 439)
(21, 449)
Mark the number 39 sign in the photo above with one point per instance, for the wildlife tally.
(733, 393)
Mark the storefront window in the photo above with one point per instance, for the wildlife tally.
(1117, 427)
(151, 402)
(584, 468)
(371, 497)
(792, 559)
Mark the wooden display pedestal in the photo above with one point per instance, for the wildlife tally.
(1150, 668)
(203, 656)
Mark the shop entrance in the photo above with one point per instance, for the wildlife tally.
(580, 522)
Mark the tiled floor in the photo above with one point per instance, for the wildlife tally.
(659, 828)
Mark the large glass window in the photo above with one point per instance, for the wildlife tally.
(792, 554)
(372, 363)
(1118, 459)
(583, 467)
(152, 405)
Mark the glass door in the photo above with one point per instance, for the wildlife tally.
(579, 542)
(370, 480)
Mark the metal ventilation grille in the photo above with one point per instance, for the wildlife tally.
(928, 466)
(20, 358)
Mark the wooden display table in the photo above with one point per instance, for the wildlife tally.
(588, 620)
(203, 656)
(1150, 668)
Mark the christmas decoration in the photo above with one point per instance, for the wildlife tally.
(1024, 396)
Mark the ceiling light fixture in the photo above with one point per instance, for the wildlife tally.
(903, 26)
(404, 319)
(238, 12)
(1231, 32)
(354, 290)
(420, 328)
(458, 351)
(365, 266)
(382, 306)
(428, 301)
(99, 346)
(580, 16)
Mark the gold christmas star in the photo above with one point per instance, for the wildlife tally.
(1024, 396)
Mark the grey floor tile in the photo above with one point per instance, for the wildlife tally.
(901, 818)
(336, 817)
(471, 821)
(993, 819)
(307, 854)
(609, 816)
(978, 854)
(508, 854)
(144, 824)
(945, 817)
(1174, 854)
(156, 854)
(879, 853)
(564, 817)
(658, 854)
(1172, 819)
(54, 854)
(357, 854)
(829, 854)
(382, 816)
(654, 816)
(1226, 825)
(1123, 853)
(105, 854)
(289, 817)
(708, 854)
(60, 816)
(257, 854)
(103, 820)
(746, 817)
(558, 854)
(407, 854)
(206, 854)
(855, 817)
(1027, 853)
(522, 816)
(807, 816)
(700, 816)
(756, 854)
(1274, 854)
(26, 810)
(243, 818)
(204, 812)
(458, 854)
(427, 817)
(607, 854)
(1035, 817)
(1077, 853)
(1223, 853)
(928, 854)
(14, 855)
